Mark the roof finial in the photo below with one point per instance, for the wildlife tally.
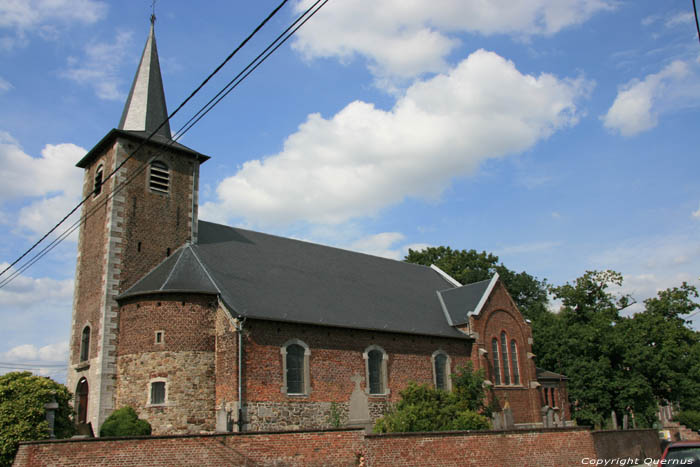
(153, 11)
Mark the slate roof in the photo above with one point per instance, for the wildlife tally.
(268, 277)
(549, 375)
(460, 302)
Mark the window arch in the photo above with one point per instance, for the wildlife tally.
(159, 179)
(496, 362)
(295, 368)
(85, 344)
(504, 358)
(441, 370)
(81, 400)
(514, 361)
(376, 370)
(97, 187)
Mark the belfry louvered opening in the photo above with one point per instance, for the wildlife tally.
(160, 177)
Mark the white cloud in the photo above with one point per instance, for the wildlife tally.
(44, 17)
(364, 159)
(379, 245)
(680, 18)
(533, 247)
(51, 182)
(404, 39)
(639, 104)
(26, 291)
(101, 67)
(5, 85)
(651, 264)
(29, 352)
(697, 213)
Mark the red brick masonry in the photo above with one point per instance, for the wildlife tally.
(522, 448)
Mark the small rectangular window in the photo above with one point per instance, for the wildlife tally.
(159, 337)
(158, 392)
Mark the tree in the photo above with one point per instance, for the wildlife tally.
(22, 412)
(584, 341)
(663, 349)
(423, 408)
(125, 422)
(468, 266)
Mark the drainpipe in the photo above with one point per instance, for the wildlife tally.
(239, 329)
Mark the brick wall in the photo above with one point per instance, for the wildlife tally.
(184, 360)
(336, 356)
(637, 444)
(522, 448)
(330, 448)
(500, 314)
(544, 448)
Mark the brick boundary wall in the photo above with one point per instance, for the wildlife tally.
(523, 448)
(298, 448)
(637, 444)
(342, 447)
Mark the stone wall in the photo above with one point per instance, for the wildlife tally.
(189, 389)
(184, 359)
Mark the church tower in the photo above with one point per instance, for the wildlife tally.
(132, 221)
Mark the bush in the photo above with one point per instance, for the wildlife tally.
(422, 408)
(22, 413)
(690, 418)
(125, 422)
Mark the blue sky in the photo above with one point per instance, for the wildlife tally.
(558, 134)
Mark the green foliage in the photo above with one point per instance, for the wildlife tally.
(22, 413)
(422, 408)
(125, 422)
(626, 364)
(690, 418)
(335, 417)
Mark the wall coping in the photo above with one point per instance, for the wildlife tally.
(201, 435)
(479, 432)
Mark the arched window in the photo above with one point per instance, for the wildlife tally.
(295, 369)
(85, 344)
(496, 362)
(97, 188)
(504, 358)
(295, 363)
(514, 361)
(441, 371)
(376, 370)
(81, 403)
(159, 177)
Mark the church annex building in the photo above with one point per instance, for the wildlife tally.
(202, 327)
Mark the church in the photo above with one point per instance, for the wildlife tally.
(202, 327)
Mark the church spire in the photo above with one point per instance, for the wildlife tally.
(145, 108)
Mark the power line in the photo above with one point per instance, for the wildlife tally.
(252, 66)
(33, 366)
(206, 80)
(697, 25)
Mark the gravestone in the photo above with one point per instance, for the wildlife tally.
(359, 407)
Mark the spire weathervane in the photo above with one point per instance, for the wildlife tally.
(153, 11)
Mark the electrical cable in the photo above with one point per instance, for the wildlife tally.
(206, 80)
(209, 106)
(697, 25)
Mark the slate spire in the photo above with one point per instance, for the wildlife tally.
(145, 107)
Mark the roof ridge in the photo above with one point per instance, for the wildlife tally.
(172, 271)
(308, 242)
(206, 271)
